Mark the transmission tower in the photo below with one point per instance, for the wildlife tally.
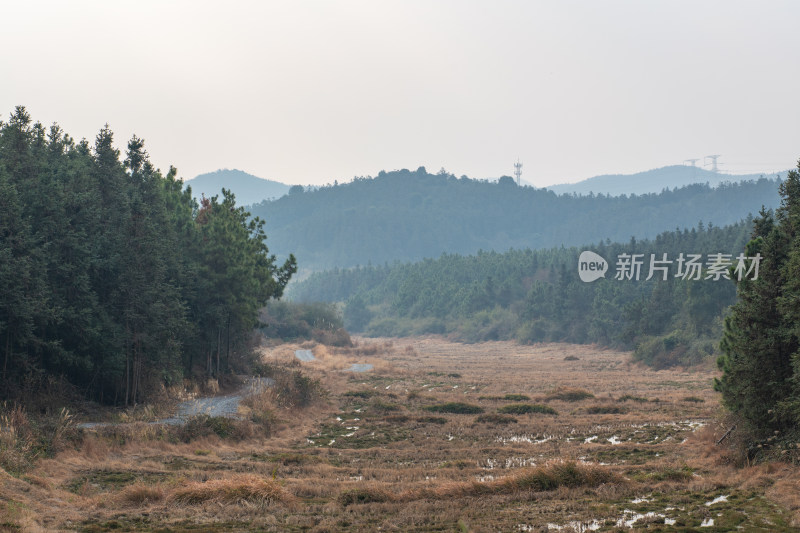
(518, 171)
(713, 159)
(692, 161)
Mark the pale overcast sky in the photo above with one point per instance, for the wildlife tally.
(314, 91)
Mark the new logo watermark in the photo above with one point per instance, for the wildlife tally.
(592, 266)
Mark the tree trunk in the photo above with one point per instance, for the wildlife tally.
(8, 351)
(219, 347)
(228, 344)
(127, 366)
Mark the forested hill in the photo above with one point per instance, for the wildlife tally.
(409, 215)
(537, 295)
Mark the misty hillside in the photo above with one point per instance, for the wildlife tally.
(652, 181)
(248, 189)
(409, 215)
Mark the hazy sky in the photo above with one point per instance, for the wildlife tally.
(315, 91)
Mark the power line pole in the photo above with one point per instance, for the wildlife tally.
(713, 159)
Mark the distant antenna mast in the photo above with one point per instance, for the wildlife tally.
(713, 159)
(518, 171)
(692, 161)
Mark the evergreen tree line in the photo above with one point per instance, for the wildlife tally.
(537, 295)
(410, 215)
(113, 277)
(761, 344)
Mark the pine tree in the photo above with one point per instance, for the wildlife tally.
(760, 339)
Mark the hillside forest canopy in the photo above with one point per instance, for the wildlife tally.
(112, 276)
(408, 215)
(537, 296)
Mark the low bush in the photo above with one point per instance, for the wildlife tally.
(204, 426)
(526, 408)
(364, 394)
(606, 410)
(516, 397)
(291, 321)
(458, 408)
(292, 388)
(692, 399)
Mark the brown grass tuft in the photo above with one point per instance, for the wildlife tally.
(140, 494)
(538, 479)
(235, 490)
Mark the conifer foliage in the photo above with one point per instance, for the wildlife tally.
(111, 275)
(761, 361)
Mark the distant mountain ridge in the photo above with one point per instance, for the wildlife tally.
(408, 215)
(654, 181)
(247, 188)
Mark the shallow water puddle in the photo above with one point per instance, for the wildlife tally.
(718, 499)
(530, 439)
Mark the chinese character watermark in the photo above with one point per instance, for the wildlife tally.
(716, 266)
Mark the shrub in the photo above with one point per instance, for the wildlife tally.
(516, 397)
(205, 426)
(526, 408)
(379, 405)
(605, 410)
(291, 321)
(292, 388)
(556, 475)
(458, 408)
(693, 399)
(364, 394)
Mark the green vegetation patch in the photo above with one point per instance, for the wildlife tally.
(112, 479)
(348, 437)
(516, 397)
(692, 399)
(527, 408)
(379, 406)
(685, 473)
(205, 426)
(458, 408)
(605, 410)
(619, 454)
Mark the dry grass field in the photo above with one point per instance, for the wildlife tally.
(438, 437)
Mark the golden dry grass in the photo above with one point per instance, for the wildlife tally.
(237, 489)
(369, 455)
